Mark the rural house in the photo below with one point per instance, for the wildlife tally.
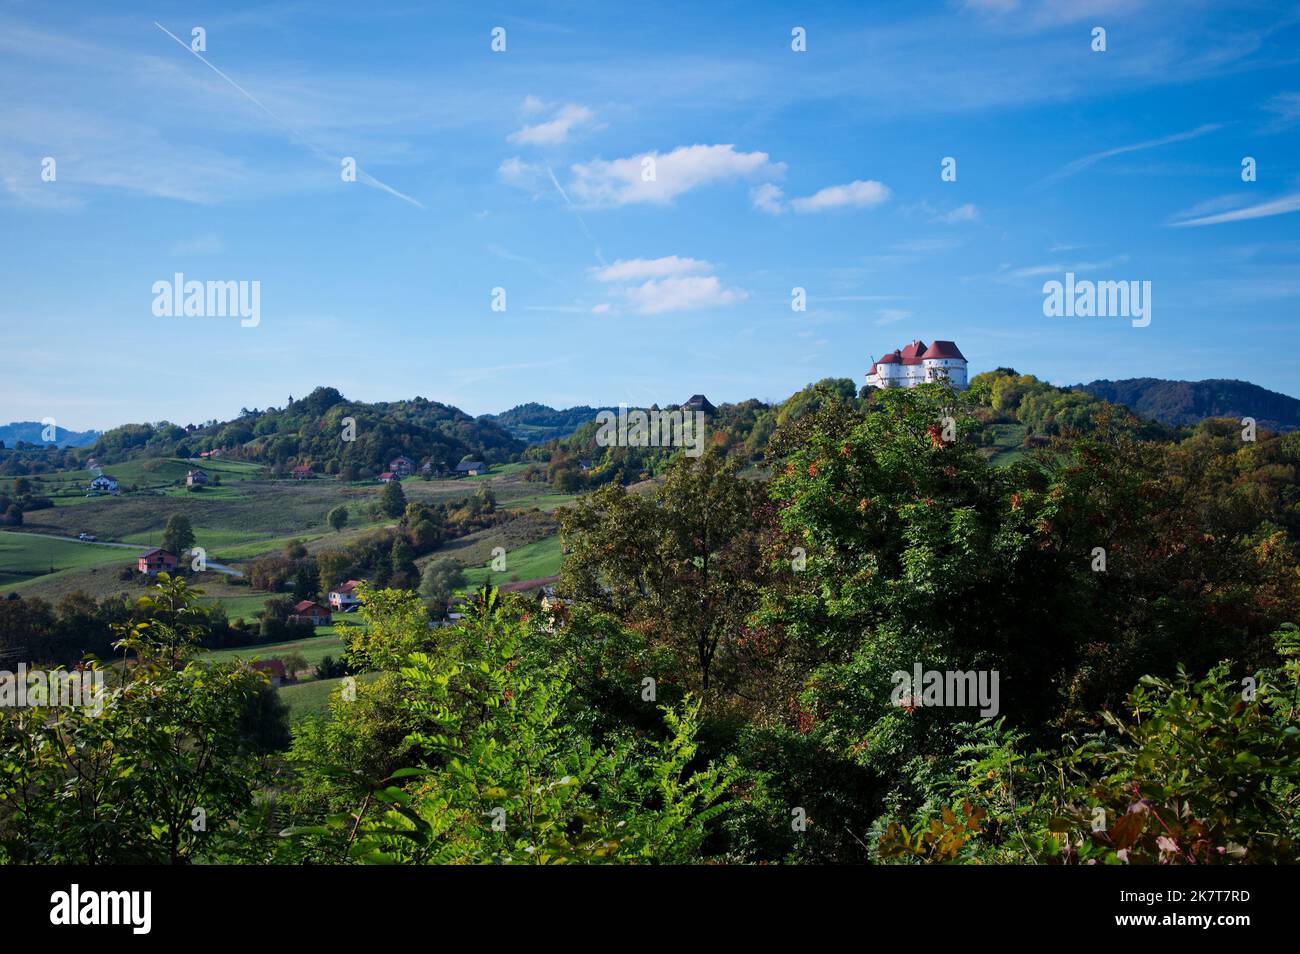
(302, 472)
(196, 478)
(274, 669)
(471, 468)
(157, 560)
(388, 477)
(402, 466)
(309, 611)
(104, 484)
(344, 596)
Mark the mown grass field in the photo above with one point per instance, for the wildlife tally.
(26, 559)
(313, 649)
(148, 474)
(528, 562)
(313, 698)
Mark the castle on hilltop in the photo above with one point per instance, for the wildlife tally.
(916, 364)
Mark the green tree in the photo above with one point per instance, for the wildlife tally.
(178, 535)
(306, 582)
(497, 776)
(685, 562)
(441, 578)
(405, 574)
(392, 499)
(162, 770)
(337, 518)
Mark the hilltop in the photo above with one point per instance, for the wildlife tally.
(536, 423)
(325, 431)
(1189, 402)
(31, 432)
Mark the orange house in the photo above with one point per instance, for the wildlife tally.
(157, 560)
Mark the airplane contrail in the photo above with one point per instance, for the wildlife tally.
(364, 176)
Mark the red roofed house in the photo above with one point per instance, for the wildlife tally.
(388, 477)
(302, 472)
(309, 611)
(157, 561)
(918, 364)
(344, 596)
(273, 668)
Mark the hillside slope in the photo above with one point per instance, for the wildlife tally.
(1187, 402)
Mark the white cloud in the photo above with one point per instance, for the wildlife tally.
(635, 269)
(1280, 206)
(554, 130)
(514, 171)
(633, 179)
(671, 283)
(658, 296)
(859, 193)
(767, 198)
(889, 316)
(963, 213)
(1058, 268)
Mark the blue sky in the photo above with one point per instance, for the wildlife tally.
(522, 170)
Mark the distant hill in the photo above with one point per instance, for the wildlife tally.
(30, 431)
(537, 423)
(327, 432)
(1187, 402)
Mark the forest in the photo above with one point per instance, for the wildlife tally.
(713, 678)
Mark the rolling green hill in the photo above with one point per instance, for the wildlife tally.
(536, 423)
(1189, 402)
(323, 430)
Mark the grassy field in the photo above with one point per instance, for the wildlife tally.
(525, 563)
(262, 509)
(244, 606)
(313, 698)
(245, 518)
(1008, 443)
(546, 502)
(151, 474)
(313, 650)
(25, 559)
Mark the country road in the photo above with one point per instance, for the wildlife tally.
(219, 567)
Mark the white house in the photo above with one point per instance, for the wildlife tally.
(344, 596)
(104, 484)
(918, 364)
